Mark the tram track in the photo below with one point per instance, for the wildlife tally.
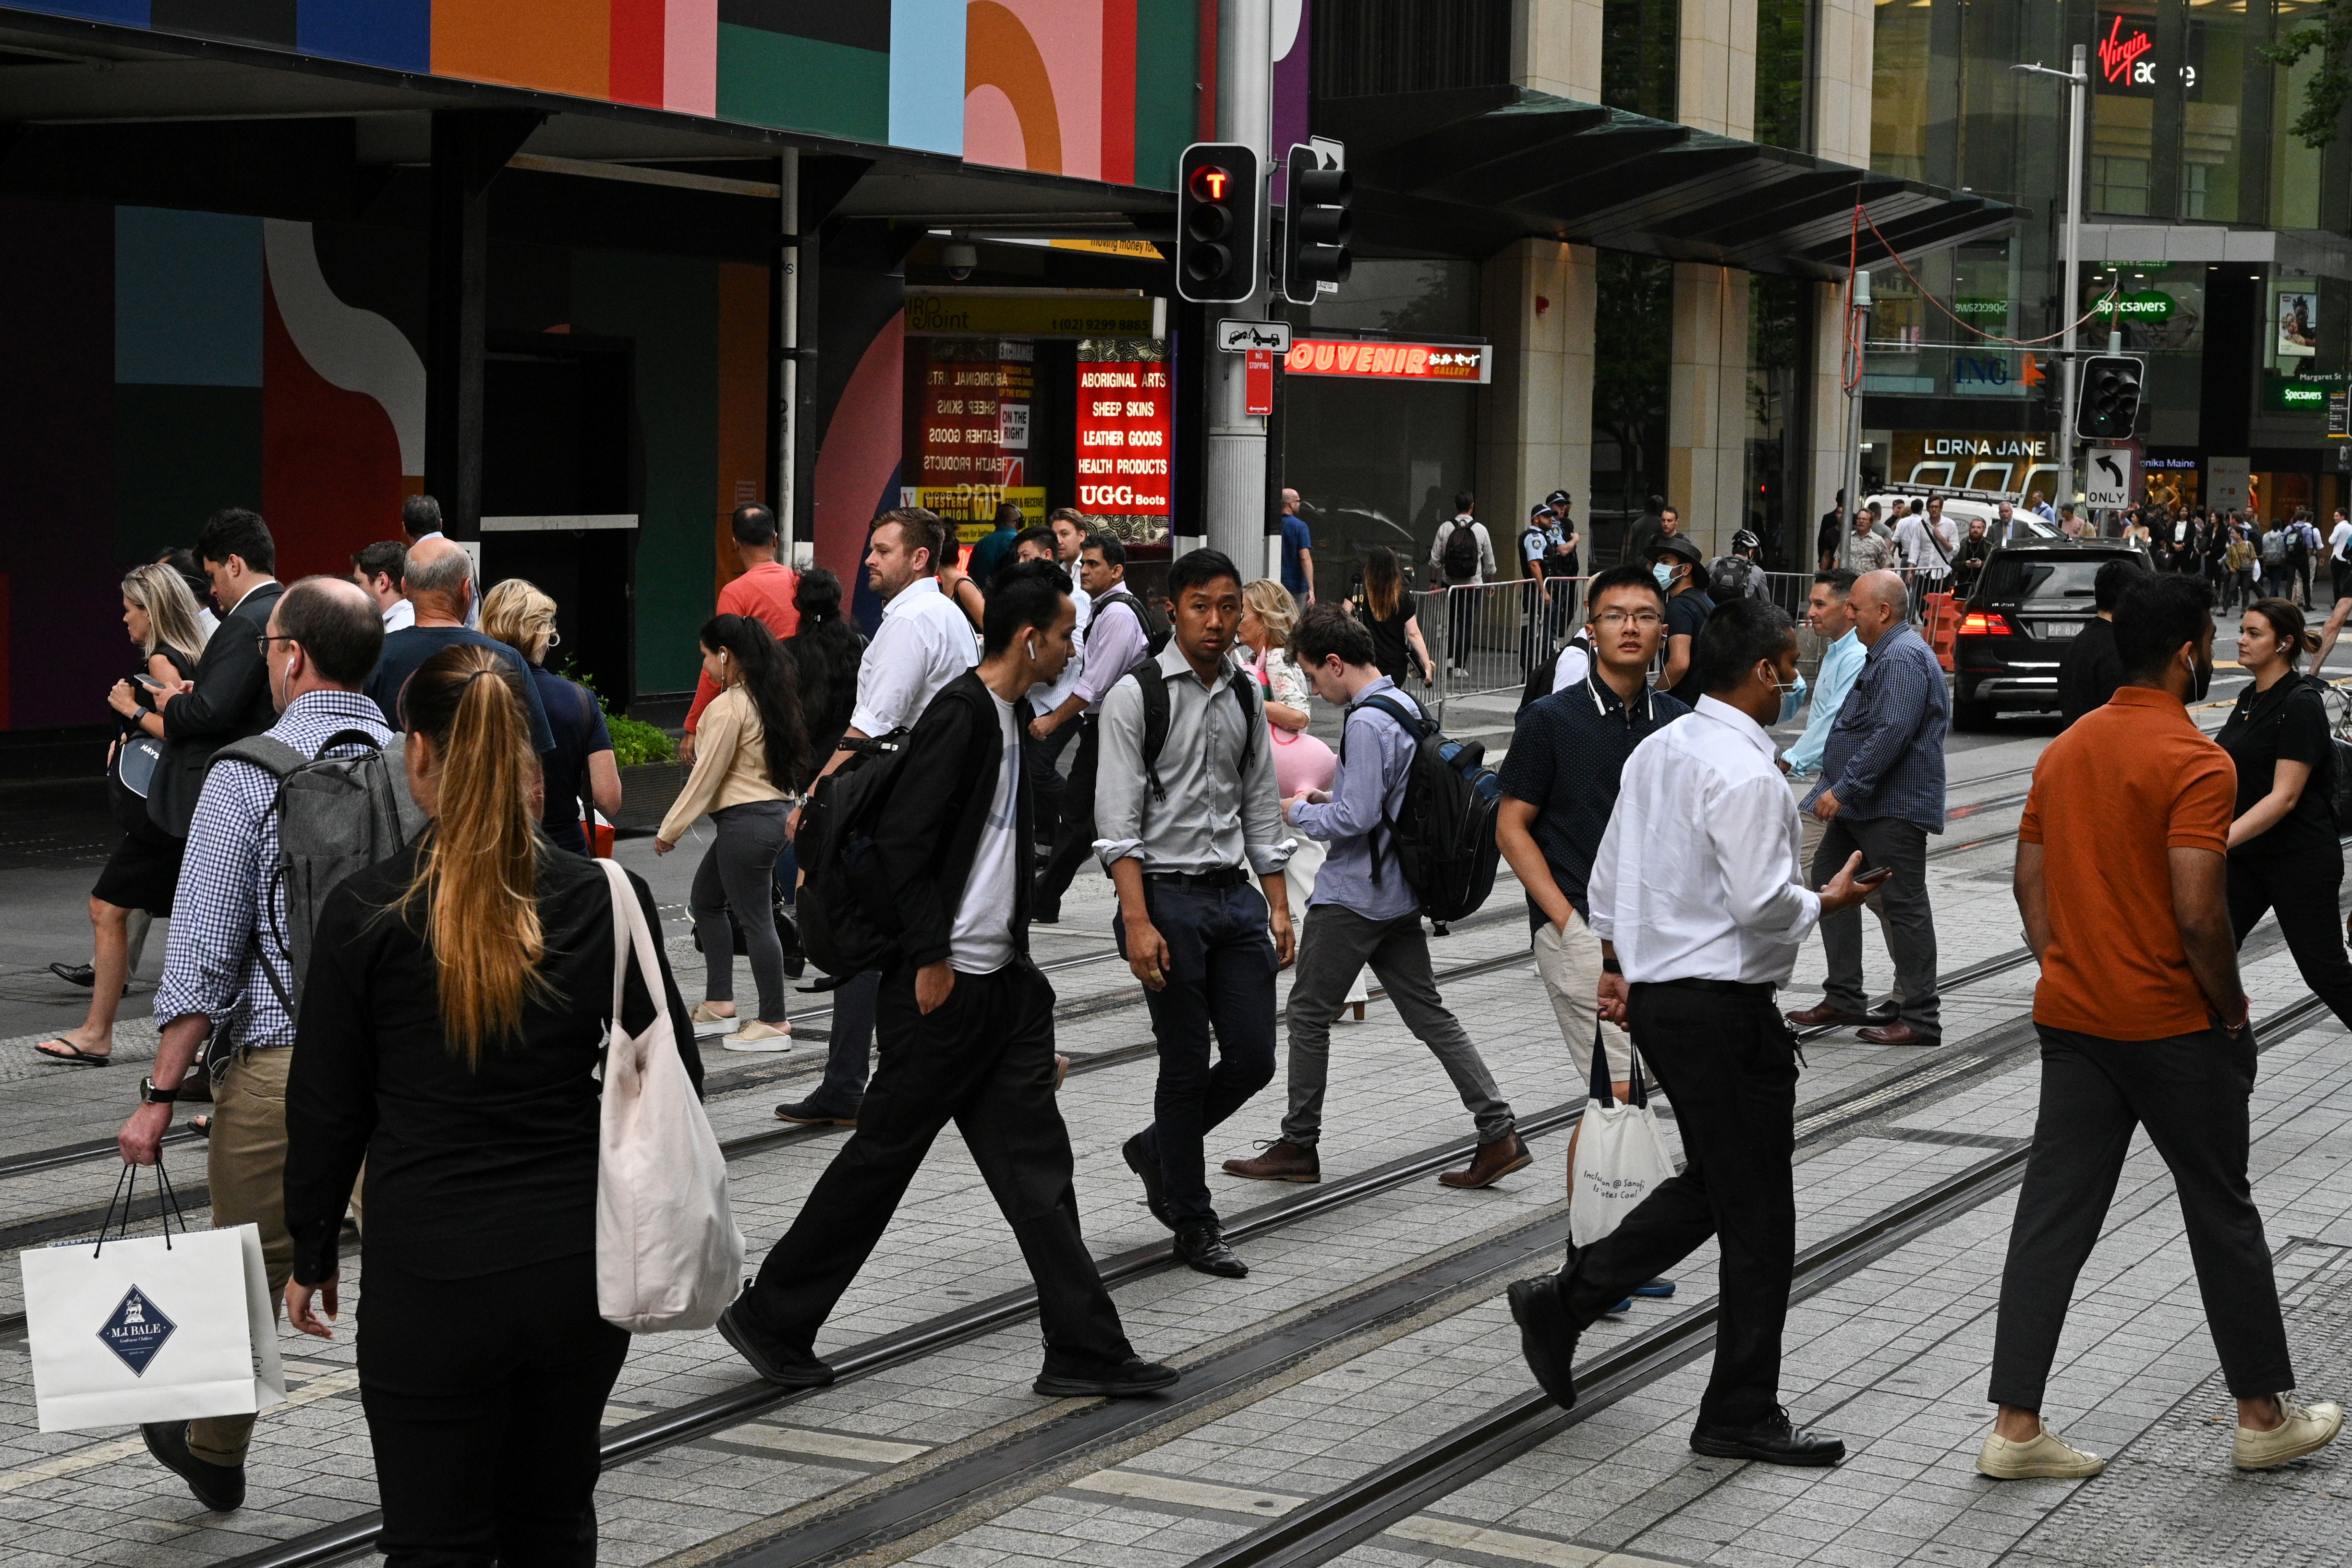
(945, 1490)
(1338, 1521)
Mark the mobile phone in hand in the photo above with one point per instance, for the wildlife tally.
(150, 682)
(1874, 876)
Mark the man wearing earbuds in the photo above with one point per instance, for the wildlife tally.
(1700, 906)
(227, 968)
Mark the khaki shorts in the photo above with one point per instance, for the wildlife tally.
(1570, 963)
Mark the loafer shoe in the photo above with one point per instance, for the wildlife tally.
(2048, 1457)
(1283, 1161)
(1657, 1290)
(1144, 1161)
(2306, 1429)
(220, 1488)
(1547, 1337)
(1494, 1162)
(1129, 1379)
(1202, 1248)
(1896, 1033)
(786, 1366)
(1824, 1016)
(1774, 1441)
(809, 1113)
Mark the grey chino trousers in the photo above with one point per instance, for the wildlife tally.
(1910, 923)
(1337, 945)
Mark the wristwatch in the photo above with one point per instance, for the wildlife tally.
(151, 1095)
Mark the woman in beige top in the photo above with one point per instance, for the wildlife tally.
(750, 745)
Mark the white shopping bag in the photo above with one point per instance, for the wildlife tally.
(1620, 1155)
(151, 1328)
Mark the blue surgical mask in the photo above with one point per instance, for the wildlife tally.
(1665, 573)
(1792, 699)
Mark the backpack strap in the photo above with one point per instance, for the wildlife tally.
(1152, 684)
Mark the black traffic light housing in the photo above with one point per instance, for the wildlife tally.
(1218, 242)
(1318, 228)
(2106, 399)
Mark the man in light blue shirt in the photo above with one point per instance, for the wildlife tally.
(1364, 911)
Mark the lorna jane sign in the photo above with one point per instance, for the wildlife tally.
(1388, 362)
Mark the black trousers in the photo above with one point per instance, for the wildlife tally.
(984, 1059)
(1727, 1064)
(484, 1400)
(2189, 1092)
(1074, 842)
(1046, 786)
(1221, 969)
(2304, 889)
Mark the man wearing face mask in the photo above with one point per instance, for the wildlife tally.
(1679, 566)
(1697, 901)
(1882, 792)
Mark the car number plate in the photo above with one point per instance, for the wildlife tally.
(2056, 629)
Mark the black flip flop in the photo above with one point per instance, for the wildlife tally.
(73, 1055)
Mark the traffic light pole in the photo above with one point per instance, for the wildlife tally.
(1235, 513)
(2078, 90)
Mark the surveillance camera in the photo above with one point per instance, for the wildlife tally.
(960, 256)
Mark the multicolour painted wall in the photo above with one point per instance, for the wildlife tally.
(1095, 89)
(163, 363)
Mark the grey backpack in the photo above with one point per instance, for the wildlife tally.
(335, 815)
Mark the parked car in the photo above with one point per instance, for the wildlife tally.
(2029, 602)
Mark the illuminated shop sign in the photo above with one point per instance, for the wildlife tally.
(1124, 436)
(1390, 361)
(2148, 305)
(2127, 58)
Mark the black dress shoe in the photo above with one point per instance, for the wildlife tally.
(1774, 1441)
(82, 974)
(220, 1488)
(1547, 1338)
(1203, 1248)
(1145, 1163)
(786, 1366)
(1130, 1378)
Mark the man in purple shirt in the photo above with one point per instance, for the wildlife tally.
(1362, 910)
(1119, 634)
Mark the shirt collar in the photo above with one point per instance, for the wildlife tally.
(1894, 634)
(1738, 723)
(2150, 697)
(1606, 700)
(907, 597)
(1172, 664)
(1852, 639)
(314, 706)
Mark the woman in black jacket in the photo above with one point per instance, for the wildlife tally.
(452, 1023)
(2284, 854)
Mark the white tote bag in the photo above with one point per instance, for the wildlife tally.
(151, 1328)
(668, 1256)
(1620, 1155)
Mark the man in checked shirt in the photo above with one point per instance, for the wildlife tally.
(323, 640)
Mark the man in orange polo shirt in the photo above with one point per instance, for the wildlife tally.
(2122, 881)
(764, 591)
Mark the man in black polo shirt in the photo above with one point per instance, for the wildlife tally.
(1560, 784)
(1681, 574)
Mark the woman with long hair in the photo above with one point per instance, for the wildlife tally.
(136, 884)
(749, 754)
(580, 771)
(2284, 854)
(453, 1023)
(824, 654)
(1386, 609)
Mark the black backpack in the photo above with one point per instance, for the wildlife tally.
(1460, 556)
(1544, 672)
(1154, 624)
(1445, 842)
(847, 924)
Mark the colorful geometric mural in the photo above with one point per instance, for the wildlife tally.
(1099, 90)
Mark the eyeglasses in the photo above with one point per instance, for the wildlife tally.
(261, 643)
(1613, 619)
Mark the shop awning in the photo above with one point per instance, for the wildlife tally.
(1472, 169)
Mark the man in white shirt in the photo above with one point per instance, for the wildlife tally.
(2339, 555)
(1696, 898)
(971, 1022)
(379, 569)
(923, 643)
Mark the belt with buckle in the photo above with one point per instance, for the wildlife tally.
(1208, 880)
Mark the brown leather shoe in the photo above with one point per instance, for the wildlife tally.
(1495, 1161)
(1896, 1033)
(1824, 1016)
(1283, 1161)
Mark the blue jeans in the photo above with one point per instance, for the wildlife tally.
(1221, 969)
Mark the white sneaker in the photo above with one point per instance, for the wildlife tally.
(708, 1023)
(2306, 1429)
(2048, 1457)
(757, 1036)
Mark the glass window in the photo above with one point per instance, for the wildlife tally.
(1438, 296)
(1641, 45)
(1781, 77)
(1898, 89)
(1632, 352)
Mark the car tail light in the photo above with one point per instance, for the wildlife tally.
(1986, 624)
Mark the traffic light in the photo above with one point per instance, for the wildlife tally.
(2106, 402)
(1217, 228)
(1315, 238)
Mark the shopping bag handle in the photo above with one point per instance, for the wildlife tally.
(1599, 1087)
(128, 1198)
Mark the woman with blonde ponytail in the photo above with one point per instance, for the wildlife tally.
(2284, 854)
(451, 1032)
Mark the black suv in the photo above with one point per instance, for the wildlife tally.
(2030, 601)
